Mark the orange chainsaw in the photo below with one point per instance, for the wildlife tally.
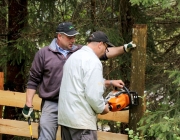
(123, 99)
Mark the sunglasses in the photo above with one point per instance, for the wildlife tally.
(106, 46)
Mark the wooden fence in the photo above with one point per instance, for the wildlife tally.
(21, 128)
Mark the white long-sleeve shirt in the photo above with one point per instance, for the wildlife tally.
(82, 87)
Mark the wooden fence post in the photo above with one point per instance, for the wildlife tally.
(1, 88)
(138, 65)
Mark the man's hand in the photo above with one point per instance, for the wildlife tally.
(129, 46)
(117, 83)
(106, 109)
(28, 112)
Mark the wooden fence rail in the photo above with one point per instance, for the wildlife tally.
(21, 128)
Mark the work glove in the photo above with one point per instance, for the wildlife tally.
(28, 112)
(129, 46)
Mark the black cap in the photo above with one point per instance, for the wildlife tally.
(66, 28)
(99, 36)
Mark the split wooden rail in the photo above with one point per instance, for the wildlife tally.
(21, 128)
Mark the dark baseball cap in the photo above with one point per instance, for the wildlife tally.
(66, 28)
(99, 36)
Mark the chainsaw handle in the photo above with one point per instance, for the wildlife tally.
(125, 88)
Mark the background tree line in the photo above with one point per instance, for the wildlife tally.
(27, 25)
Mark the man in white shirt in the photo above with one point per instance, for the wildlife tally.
(82, 88)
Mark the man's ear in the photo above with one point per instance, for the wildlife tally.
(59, 35)
(100, 45)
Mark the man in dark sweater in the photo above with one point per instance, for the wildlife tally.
(46, 75)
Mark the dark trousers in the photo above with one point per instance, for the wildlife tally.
(77, 134)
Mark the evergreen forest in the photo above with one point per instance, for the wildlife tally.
(28, 25)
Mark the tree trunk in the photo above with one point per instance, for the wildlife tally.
(93, 14)
(14, 80)
(3, 37)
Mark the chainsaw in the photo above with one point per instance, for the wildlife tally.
(122, 99)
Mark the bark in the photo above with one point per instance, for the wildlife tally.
(14, 81)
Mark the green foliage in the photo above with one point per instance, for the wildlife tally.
(176, 76)
(161, 120)
(116, 18)
(132, 135)
(160, 126)
(162, 3)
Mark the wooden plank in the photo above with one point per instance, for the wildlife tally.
(13, 127)
(21, 128)
(111, 136)
(121, 116)
(138, 66)
(17, 99)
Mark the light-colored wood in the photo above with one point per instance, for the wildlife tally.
(111, 136)
(21, 128)
(121, 116)
(17, 99)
